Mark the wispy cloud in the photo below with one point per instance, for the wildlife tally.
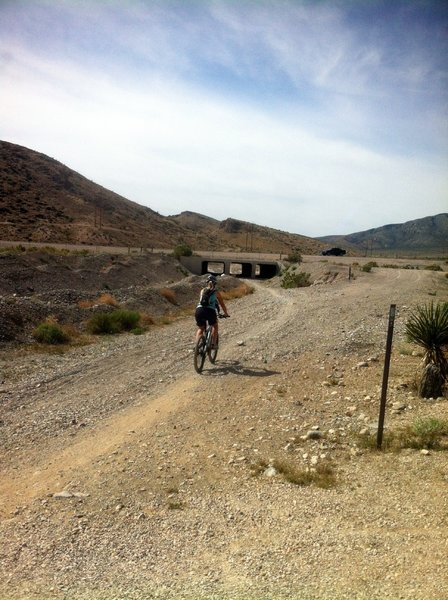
(294, 117)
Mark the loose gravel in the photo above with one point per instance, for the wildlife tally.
(125, 475)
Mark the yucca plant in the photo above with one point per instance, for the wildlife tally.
(428, 327)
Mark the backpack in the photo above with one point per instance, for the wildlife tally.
(205, 296)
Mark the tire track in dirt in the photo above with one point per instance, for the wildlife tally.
(56, 459)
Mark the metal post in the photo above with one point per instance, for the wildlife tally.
(390, 332)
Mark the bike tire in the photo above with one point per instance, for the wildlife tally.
(213, 352)
(199, 355)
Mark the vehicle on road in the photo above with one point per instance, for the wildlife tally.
(334, 252)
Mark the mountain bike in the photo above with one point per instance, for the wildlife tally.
(204, 347)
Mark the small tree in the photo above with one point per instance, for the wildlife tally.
(428, 327)
(182, 250)
(294, 256)
(291, 279)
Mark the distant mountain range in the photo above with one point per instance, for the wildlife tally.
(42, 200)
(427, 235)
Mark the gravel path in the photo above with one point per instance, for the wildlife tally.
(127, 475)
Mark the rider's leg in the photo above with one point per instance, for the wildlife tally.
(215, 334)
(200, 322)
(199, 332)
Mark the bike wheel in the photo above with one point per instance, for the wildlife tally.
(199, 355)
(213, 352)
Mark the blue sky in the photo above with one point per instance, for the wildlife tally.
(314, 117)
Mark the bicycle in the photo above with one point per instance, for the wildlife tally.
(204, 347)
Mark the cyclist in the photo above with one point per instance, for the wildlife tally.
(207, 309)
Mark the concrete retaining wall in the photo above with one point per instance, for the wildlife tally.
(247, 269)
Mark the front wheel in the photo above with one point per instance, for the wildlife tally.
(199, 355)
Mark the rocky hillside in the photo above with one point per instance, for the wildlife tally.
(42, 200)
(248, 237)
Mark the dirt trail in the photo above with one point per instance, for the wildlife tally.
(161, 458)
(121, 389)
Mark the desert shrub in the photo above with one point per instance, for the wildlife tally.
(291, 279)
(113, 322)
(182, 250)
(369, 266)
(138, 331)
(50, 333)
(102, 323)
(169, 295)
(294, 256)
(433, 268)
(427, 327)
(126, 320)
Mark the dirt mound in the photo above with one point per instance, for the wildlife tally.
(40, 271)
(70, 288)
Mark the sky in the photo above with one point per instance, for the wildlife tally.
(318, 117)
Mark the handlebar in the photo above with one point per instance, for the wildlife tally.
(223, 316)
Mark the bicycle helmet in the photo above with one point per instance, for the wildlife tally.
(211, 279)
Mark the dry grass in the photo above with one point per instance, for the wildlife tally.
(322, 475)
(169, 295)
(239, 292)
(167, 319)
(108, 299)
(86, 303)
(426, 433)
(176, 505)
(146, 320)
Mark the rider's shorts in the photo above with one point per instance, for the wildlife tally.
(204, 314)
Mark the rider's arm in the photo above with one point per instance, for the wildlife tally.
(221, 303)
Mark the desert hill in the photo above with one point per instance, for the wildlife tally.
(245, 236)
(42, 200)
(429, 235)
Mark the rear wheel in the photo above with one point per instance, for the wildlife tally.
(199, 355)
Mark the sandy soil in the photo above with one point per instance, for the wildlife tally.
(127, 475)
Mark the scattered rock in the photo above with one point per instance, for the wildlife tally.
(314, 434)
(63, 494)
(270, 472)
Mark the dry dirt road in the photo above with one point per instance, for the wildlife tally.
(125, 475)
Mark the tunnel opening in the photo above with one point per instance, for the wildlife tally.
(215, 268)
(263, 271)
